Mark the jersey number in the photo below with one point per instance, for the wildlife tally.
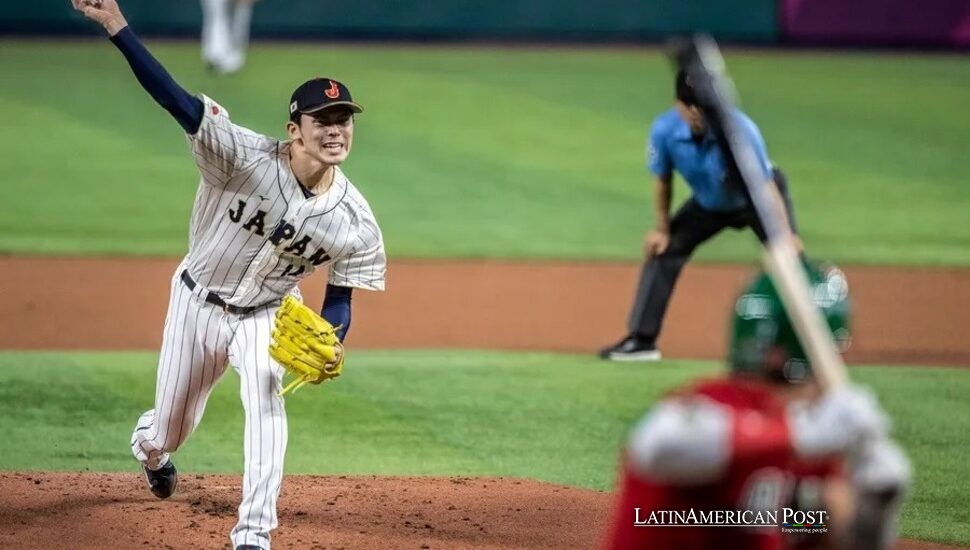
(293, 271)
(765, 490)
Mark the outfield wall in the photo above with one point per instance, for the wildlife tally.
(877, 22)
(747, 20)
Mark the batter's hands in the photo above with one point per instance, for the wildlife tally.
(880, 466)
(839, 423)
(656, 242)
(104, 12)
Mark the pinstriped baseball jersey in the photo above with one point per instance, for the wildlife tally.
(254, 233)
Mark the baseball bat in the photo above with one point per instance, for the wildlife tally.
(701, 59)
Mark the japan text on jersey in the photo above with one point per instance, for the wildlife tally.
(254, 233)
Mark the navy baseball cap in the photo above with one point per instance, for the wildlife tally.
(318, 94)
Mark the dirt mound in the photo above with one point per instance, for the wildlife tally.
(116, 511)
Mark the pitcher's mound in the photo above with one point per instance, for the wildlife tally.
(116, 511)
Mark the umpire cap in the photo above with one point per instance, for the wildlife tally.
(318, 94)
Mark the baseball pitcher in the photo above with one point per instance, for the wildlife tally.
(267, 213)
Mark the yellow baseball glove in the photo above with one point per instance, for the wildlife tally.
(305, 344)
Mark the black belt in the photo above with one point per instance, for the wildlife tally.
(214, 298)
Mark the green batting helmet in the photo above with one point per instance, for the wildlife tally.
(763, 341)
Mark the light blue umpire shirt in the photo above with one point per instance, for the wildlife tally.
(672, 147)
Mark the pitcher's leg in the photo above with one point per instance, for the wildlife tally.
(150, 456)
(192, 359)
(266, 429)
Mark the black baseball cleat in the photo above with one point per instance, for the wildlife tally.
(631, 348)
(162, 482)
(248, 547)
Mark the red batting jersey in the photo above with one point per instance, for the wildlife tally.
(720, 445)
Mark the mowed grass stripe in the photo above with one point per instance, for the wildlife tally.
(493, 152)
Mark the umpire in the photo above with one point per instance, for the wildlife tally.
(681, 140)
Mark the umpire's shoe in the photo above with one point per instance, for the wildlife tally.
(162, 482)
(631, 348)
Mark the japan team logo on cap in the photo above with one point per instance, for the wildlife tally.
(333, 92)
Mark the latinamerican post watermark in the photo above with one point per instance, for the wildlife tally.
(788, 520)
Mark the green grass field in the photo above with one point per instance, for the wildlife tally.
(493, 152)
(477, 152)
(559, 418)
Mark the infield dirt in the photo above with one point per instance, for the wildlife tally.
(901, 315)
(115, 511)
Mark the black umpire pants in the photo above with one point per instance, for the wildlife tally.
(690, 226)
